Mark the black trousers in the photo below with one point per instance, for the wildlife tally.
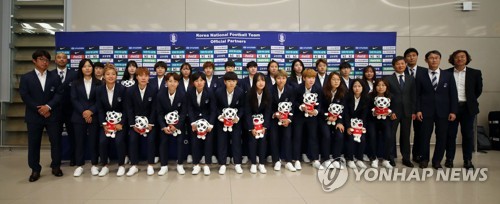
(281, 141)
(441, 134)
(466, 121)
(163, 148)
(104, 143)
(134, 143)
(305, 128)
(354, 149)
(379, 131)
(35, 141)
(257, 147)
(404, 124)
(202, 147)
(417, 147)
(66, 121)
(86, 135)
(229, 143)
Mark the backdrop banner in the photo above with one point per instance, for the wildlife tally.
(146, 48)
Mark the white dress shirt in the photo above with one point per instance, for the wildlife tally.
(460, 81)
(186, 84)
(414, 70)
(198, 97)
(280, 92)
(171, 97)
(142, 91)
(259, 98)
(42, 77)
(356, 102)
(110, 94)
(273, 80)
(230, 97)
(209, 81)
(251, 81)
(438, 72)
(321, 79)
(333, 95)
(160, 80)
(346, 81)
(299, 79)
(88, 86)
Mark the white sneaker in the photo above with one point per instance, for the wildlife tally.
(163, 171)
(262, 169)
(328, 164)
(127, 161)
(157, 159)
(121, 171)
(387, 164)
(297, 165)
(238, 168)
(253, 169)
(244, 160)
(132, 171)
(305, 158)
(202, 160)
(151, 170)
(78, 172)
(336, 165)
(269, 159)
(351, 164)
(196, 170)
(290, 167)
(189, 159)
(277, 166)
(180, 169)
(317, 165)
(94, 170)
(214, 160)
(104, 171)
(360, 164)
(222, 169)
(375, 163)
(365, 158)
(206, 170)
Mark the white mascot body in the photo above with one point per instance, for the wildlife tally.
(357, 129)
(284, 110)
(258, 125)
(381, 108)
(128, 83)
(202, 126)
(227, 117)
(142, 123)
(310, 101)
(334, 110)
(112, 118)
(172, 119)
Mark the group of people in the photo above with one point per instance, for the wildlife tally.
(327, 119)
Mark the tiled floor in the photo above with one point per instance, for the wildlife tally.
(274, 187)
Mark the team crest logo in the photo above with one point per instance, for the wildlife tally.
(173, 38)
(281, 38)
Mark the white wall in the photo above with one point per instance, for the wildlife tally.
(423, 24)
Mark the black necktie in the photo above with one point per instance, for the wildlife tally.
(401, 81)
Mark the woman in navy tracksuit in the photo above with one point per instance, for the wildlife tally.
(356, 107)
(201, 105)
(332, 137)
(281, 135)
(169, 100)
(258, 102)
(111, 97)
(84, 117)
(140, 101)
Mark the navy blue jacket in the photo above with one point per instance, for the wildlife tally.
(81, 102)
(71, 74)
(288, 95)
(32, 94)
(237, 102)
(245, 84)
(103, 102)
(164, 106)
(154, 83)
(136, 106)
(361, 112)
(299, 99)
(325, 103)
(440, 102)
(265, 110)
(206, 109)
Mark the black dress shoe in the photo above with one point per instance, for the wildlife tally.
(448, 164)
(392, 162)
(437, 166)
(423, 164)
(468, 164)
(57, 172)
(408, 163)
(34, 176)
(417, 159)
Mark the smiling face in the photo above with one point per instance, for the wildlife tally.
(110, 76)
(400, 66)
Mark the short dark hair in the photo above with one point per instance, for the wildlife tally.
(251, 64)
(410, 50)
(432, 52)
(451, 60)
(230, 76)
(229, 63)
(321, 60)
(41, 53)
(269, 65)
(99, 64)
(345, 65)
(161, 64)
(396, 59)
(198, 75)
(176, 76)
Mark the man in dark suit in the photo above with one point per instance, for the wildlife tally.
(402, 89)
(67, 77)
(411, 58)
(41, 92)
(436, 105)
(321, 66)
(469, 87)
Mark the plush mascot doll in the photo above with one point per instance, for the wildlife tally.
(258, 125)
(128, 83)
(141, 123)
(202, 126)
(284, 110)
(112, 118)
(227, 117)
(334, 110)
(310, 101)
(172, 119)
(381, 109)
(357, 129)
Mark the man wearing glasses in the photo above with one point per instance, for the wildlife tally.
(41, 93)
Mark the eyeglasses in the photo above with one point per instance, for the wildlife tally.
(43, 59)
